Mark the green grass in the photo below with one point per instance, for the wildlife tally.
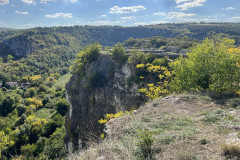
(62, 81)
(45, 113)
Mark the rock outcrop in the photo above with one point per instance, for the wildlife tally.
(18, 46)
(90, 102)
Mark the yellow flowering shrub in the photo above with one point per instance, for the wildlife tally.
(35, 78)
(110, 116)
(154, 91)
(34, 101)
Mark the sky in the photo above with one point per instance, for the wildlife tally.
(45, 13)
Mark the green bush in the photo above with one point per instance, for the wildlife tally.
(54, 147)
(118, 53)
(28, 150)
(62, 107)
(52, 125)
(145, 142)
(7, 105)
(86, 56)
(211, 66)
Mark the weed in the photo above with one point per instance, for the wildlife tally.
(204, 141)
(234, 102)
(145, 119)
(184, 155)
(145, 142)
(231, 149)
(167, 139)
(223, 130)
(215, 116)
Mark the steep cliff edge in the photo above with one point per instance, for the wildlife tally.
(103, 90)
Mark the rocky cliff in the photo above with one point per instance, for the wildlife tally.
(18, 46)
(103, 90)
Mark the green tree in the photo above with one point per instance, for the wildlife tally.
(211, 66)
(9, 58)
(7, 105)
(85, 56)
(2, 96)
(62, 107)
(52, 125)
(54, 147)
(4, 141)
(118, 53)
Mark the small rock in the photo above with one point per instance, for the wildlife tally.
(135, 111)
(176, 101)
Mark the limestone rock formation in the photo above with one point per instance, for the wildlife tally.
(18, 46)
(90, 102)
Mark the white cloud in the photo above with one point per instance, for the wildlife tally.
(181, 1)
(59, 15)
(189, 4)
(178, 15)
(46, 1)
(29, 1)
(140, 23)
(160, 13)
(103, 15)
(229, 8)
(121, 10)
(4, 2)
(158, 22)
(107, 22)
(101, 22)
(207, 19)
(127, 18)
(235, 18)
(24, 13)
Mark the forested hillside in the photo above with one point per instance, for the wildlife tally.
(75, 36)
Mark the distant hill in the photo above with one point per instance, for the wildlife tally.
(24, 42)
(5, 29)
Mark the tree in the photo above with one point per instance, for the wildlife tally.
(118, 53)
(2, 96)
(7, 105)
(52, 125)
(4, 141)
(62, 107)
(211, 66)
(86, 56)
(34, 101)
(9, 58)
(54, 147)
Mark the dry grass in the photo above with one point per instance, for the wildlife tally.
(184, 127)
(231, 146)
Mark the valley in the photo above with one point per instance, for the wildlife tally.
(58, 82)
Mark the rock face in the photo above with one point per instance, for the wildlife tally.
(109, 94)
(18, 46)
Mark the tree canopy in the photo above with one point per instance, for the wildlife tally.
(213, 66)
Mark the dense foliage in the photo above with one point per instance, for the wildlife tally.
(212, 66)
(32, 119)
(119, 55)
(159, 42)
(85, 56)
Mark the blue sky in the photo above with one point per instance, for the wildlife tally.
(39, 13)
